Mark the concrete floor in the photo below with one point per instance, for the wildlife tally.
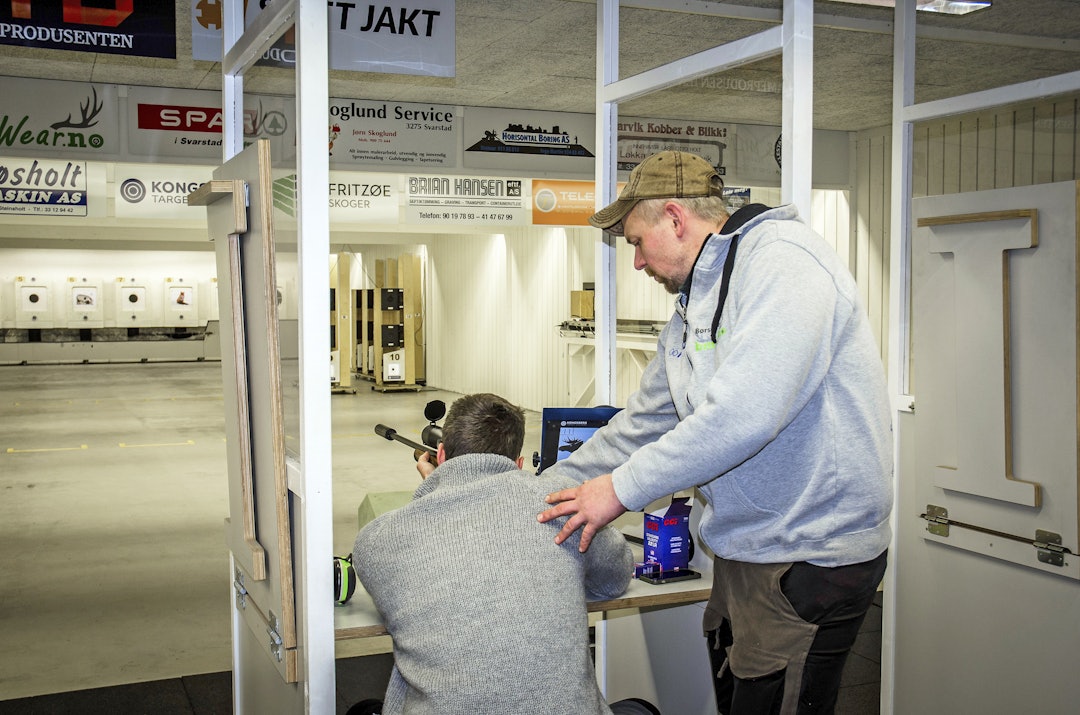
(111, 523)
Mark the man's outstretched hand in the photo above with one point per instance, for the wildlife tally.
(593, 505)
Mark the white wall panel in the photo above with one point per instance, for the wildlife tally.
(495, 304)
(1015, 146)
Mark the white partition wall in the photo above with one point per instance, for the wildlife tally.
(978, 607)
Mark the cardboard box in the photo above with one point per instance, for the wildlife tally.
(667, 535)
(581, 304)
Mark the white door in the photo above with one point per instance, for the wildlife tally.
(987, 581)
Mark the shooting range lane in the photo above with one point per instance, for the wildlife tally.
(113, 556)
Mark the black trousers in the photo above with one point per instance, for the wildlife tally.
(834, 601)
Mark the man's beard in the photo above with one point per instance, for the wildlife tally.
(669, 283)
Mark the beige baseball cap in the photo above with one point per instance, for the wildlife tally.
(664, 175)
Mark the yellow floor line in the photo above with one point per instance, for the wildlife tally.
(188, 443)
(12, 450)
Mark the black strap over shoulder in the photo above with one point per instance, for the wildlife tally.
(729, 264)
(733, 224)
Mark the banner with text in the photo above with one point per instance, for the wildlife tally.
(39, 116)
(464, 201)
(394, 134)
(187, 123)
(562, 203)
(158, 191)
(364, 198)
(638, 138)
(390, 37)
(372, 199)
(528, 140)
(121, 27)
(40, 187)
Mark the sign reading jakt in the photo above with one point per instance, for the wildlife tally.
(391, 37)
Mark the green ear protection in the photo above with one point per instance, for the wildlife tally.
(344, 579)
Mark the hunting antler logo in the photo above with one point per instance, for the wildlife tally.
(88, 115)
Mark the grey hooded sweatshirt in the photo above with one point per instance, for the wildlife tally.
(782, 418)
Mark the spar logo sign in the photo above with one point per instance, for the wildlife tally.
(194, 119)
(68, 133)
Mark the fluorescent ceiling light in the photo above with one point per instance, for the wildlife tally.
(947, 7)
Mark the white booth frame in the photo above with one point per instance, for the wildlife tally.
(905, 114)
(309, 476)
(793, 39)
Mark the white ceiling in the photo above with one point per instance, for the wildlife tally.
(541, 54)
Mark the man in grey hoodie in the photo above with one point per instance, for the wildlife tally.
(767, 393)
(488, 615)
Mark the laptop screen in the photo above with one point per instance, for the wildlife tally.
(564, 429)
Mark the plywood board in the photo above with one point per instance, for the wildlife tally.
(255, 429)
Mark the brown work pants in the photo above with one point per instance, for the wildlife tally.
(779, 634)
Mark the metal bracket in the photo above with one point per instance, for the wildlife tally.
(238, 586)
(274, 631)
(937, 520)
(1048, 545)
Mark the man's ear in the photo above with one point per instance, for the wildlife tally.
(676, 214)
(440, 455)
(521, 462)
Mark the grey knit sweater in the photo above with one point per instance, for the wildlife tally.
(487, 614)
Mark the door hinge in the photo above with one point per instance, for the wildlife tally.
(1050, 550)
(1047, 544)
(937, 520)
(238, 586)
(274, 631)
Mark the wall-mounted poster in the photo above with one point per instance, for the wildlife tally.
(34, 298)
(562, 203)
(44, 118)
(392, 134)
(120, 27)
(157, 191)
(180, 297)
(43, 187)
(640, 138)
(388, 37)
(735, 198)
(465, 201)
(528, 140)
(132, 299)
(187, 123)
(33, 308)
